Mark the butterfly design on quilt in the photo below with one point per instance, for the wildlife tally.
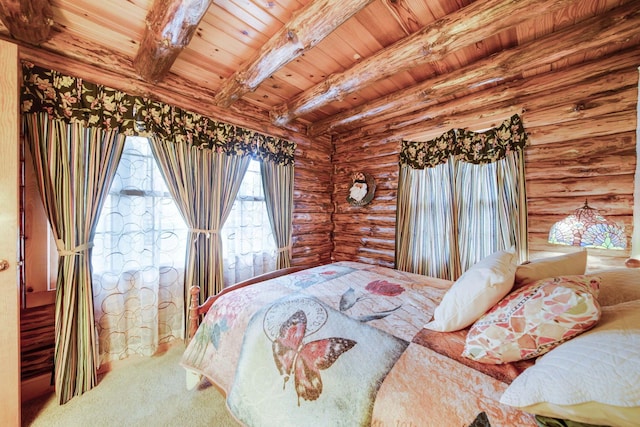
(304, 361)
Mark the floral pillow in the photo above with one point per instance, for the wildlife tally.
(534, 319)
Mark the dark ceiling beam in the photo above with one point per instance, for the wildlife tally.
(171, 25)
(29, 21)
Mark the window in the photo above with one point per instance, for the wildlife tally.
(140, 247)
(248, 245)
(473, 185)
(140, 224)
(138, 259)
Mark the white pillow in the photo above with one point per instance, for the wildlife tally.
(618, 285)
(594, 378)
(571, 264)
(475, 292)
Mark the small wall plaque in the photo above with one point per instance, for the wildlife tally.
(363, 187)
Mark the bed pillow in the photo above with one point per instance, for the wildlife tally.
(563, 265)
(475, 292)
(594, 378)
(618, 285)
(533, 319)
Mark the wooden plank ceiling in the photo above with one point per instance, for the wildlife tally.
(319, 66)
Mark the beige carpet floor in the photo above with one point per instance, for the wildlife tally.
(138, 392)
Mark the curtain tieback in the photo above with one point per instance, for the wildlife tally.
(77, 251)
(199, 231)
(284, 248)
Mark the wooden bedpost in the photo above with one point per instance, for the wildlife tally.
(194, 316)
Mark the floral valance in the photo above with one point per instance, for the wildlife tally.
(73, 99)
(468, 146)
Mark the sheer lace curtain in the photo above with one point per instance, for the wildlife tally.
(139, 254)
(247, 240)
(138, 260)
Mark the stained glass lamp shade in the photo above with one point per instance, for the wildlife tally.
(587, 228)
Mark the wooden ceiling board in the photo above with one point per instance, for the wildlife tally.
(325, 58)
(299, 74)
(260, 11)
(263, 25)
(437, 9)
(220, 61)
(425, 12)
(383, 23)
(277, 88)
(265, 99)
(333, 46)
(84, 29)
(125, 18)
(358, 39)
(226, 28)
(200, 76)
(283, 10)
(223, 58)
(232, 34)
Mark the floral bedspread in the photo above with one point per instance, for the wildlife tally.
(333, 344)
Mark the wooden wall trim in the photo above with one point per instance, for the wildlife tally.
(9, 287)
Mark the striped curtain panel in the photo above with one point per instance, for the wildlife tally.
(277, 183)
(461, 197)
(488, 203)
(428, 207)
(204, 183)
(75, 166)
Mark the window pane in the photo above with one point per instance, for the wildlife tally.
(140, 223)
(248, 245)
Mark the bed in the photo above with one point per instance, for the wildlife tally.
(345, 344)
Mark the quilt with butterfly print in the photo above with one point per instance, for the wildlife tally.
(333, 345)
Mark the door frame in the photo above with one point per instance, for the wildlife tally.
(9, 228)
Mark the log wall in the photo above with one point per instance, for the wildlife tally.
(312, 202)
(581, 123)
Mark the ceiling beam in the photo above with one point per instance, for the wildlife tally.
(29, 21)
(306, 29)
(171, 25)
(471, 24)
(589, 35)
